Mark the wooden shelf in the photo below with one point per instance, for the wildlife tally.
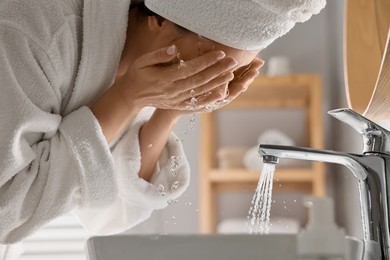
(245, 176)
(275, 92)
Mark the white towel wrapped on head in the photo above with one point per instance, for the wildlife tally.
(241, 24)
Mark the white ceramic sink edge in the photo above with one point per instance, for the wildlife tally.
(206, 247)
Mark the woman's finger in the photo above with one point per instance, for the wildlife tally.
(194, 66)
(204, 102)
(241, 85)
(211, 100)
(207, 76)
(255, 64)
(160, 56)
(208, 88)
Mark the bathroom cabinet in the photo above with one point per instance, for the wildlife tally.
(283, 92)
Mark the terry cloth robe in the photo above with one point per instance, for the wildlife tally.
(56, 58)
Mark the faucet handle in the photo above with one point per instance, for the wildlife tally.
(376, 138)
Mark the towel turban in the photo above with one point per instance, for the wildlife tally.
(241, 24)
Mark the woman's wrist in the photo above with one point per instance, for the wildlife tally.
(153, 138)
(113, 113)
(130, 99)
(168, 115)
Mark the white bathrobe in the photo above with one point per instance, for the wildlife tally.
(56, 58)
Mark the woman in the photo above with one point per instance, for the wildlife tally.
(76, 76)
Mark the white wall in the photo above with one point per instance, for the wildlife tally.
(312, 47)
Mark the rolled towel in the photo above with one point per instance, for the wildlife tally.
(252, 160)
(275, 137)
(241, 24)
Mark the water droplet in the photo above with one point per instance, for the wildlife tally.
(188, 204)
(161, 188)
(173, 217)
(174, 165)
(150, 146)
(221, 102)
(173, 172)
(170, 202)
(181, 64)
(295, 201)
(209, 107)
(192, 93)
(190, 128)
(175, 185)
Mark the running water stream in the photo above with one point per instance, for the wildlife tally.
(259, 212)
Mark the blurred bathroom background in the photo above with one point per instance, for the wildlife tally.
(315, 47)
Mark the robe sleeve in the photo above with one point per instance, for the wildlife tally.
(137, 197)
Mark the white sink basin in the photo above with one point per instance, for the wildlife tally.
(195, 247)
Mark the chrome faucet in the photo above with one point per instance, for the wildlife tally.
(371, 168)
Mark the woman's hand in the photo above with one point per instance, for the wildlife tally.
(155, 80)
(225, 93)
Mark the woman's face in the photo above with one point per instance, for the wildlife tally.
(191, 45)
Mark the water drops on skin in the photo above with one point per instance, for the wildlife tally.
(209, 107)
(181, 61)
(150, 146)
(191, 107)
(221, 102)
(193, 101)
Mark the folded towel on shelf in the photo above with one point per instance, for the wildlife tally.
(253, 161)
(231, 157)
(243, 24)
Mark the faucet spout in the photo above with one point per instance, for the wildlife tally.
(371, 170)
(288, 152)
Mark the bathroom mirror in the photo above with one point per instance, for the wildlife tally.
(366, 32)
